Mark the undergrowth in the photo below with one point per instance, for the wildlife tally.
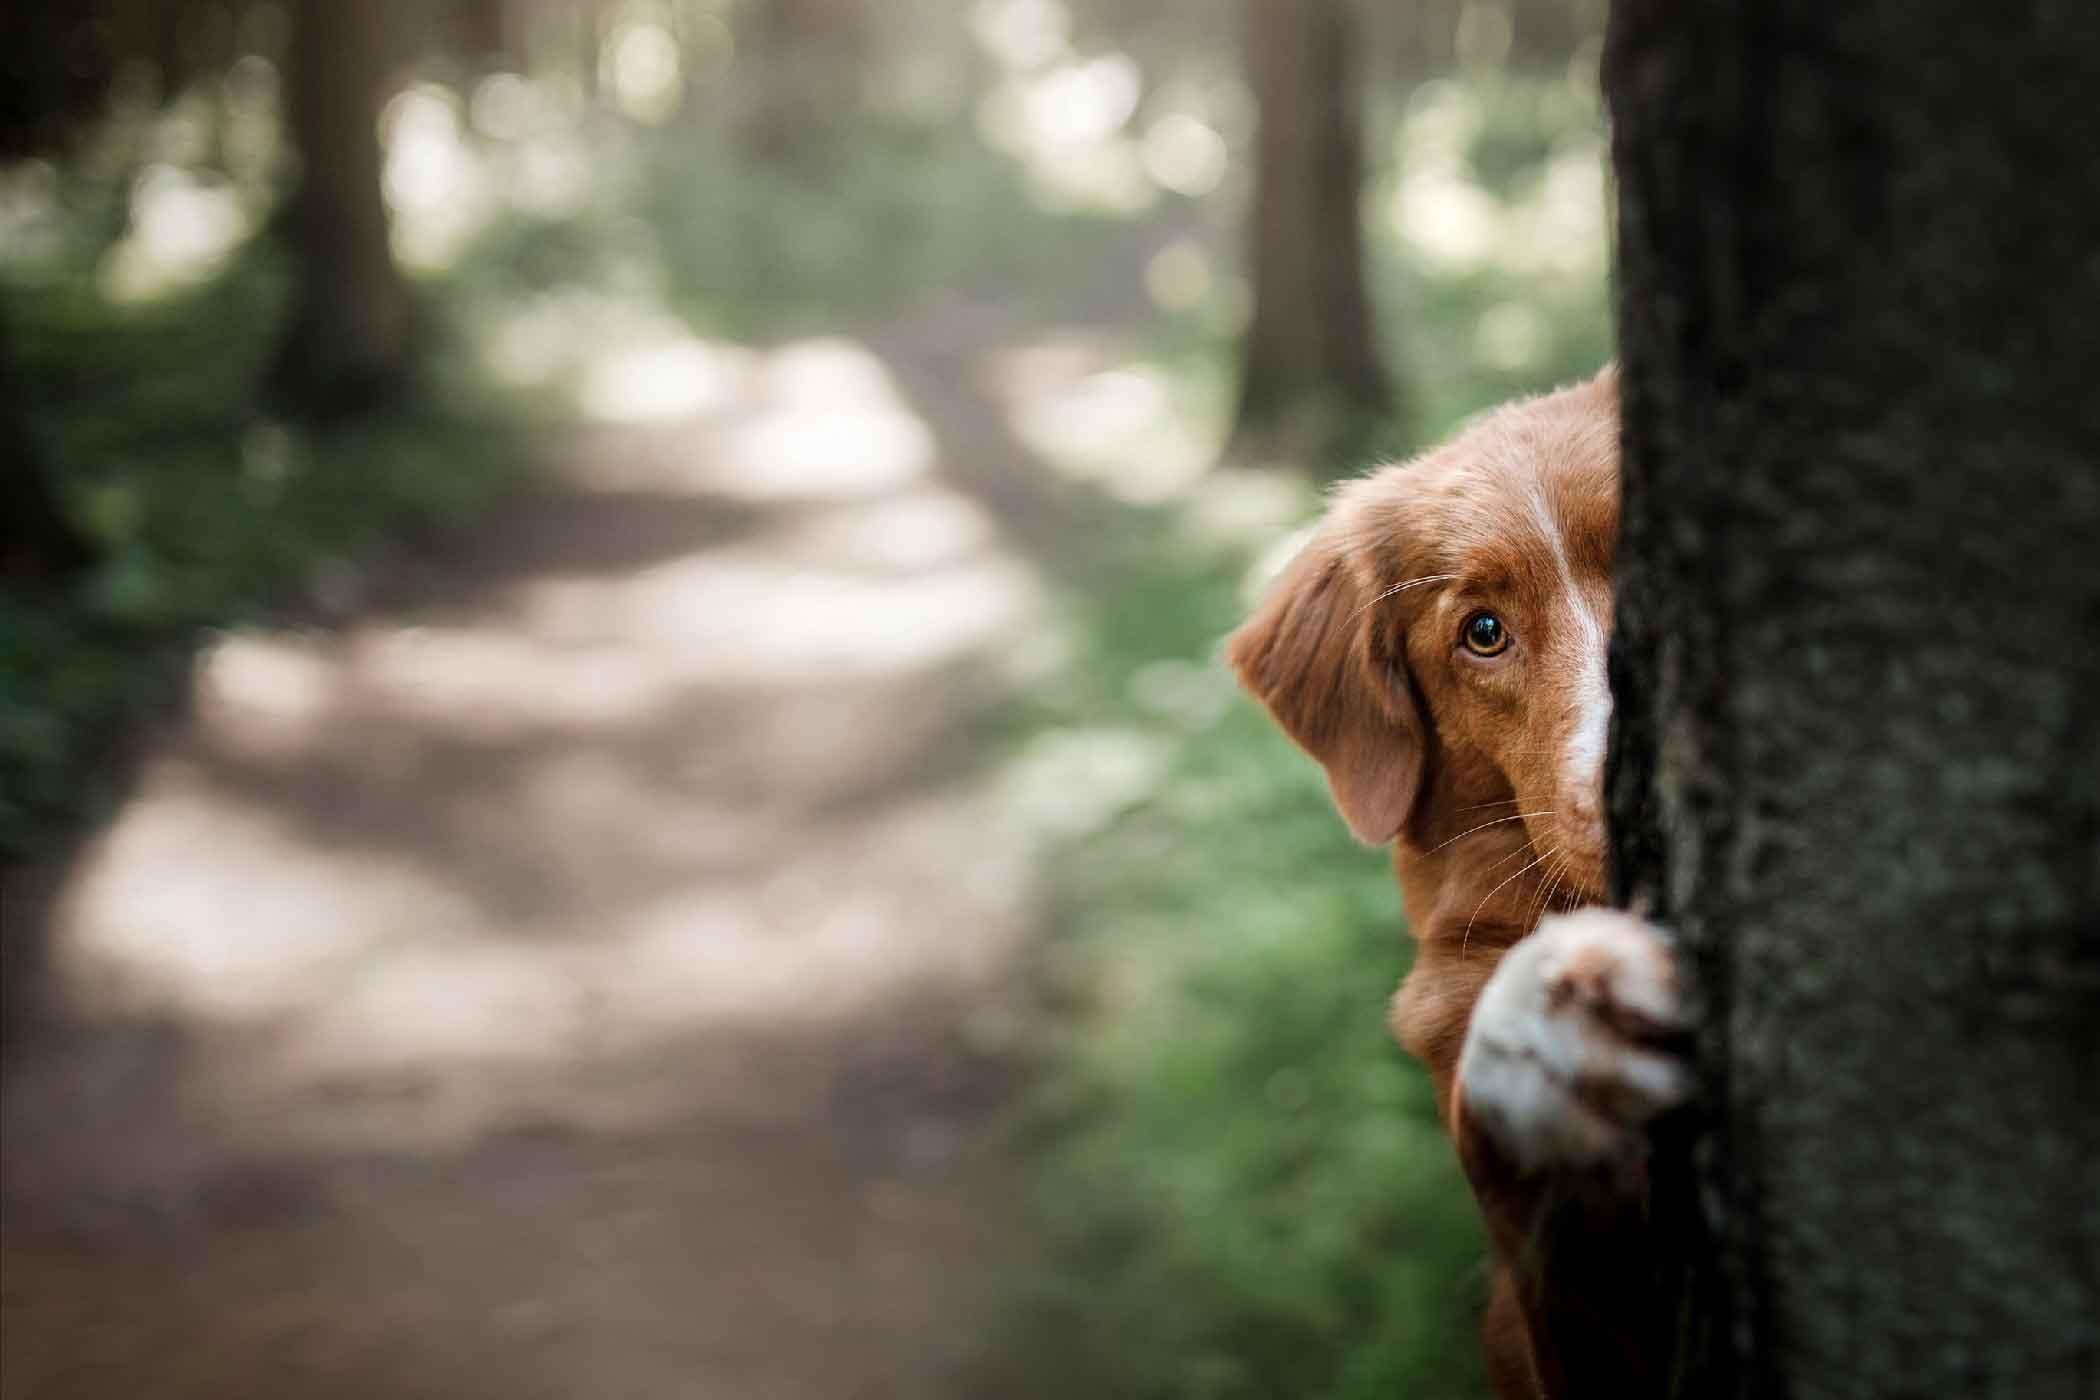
(1240, 1186)
(203, 512)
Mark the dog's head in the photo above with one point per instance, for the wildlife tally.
(1439, 645)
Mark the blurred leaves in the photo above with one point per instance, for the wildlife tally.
(758, 251)
(1240, 1185)
(204, 513)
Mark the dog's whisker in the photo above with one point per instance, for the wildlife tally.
(1531, 904)
(1517, 817)
(1566, 870)
(1531, 910)
(1498, 802)
(1380, 597)
(1555, 873)
(1467, 937)
(1503, 860)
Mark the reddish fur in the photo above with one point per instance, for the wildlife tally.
(1415, 739)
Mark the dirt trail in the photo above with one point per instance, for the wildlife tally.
(588, 970)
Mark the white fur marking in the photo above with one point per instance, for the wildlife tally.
(1584, 773)
(1583, 770)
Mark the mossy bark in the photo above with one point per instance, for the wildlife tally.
(1857, 761)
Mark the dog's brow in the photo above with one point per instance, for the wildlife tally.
(1380, 597)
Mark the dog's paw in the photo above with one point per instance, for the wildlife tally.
(1573, 1045)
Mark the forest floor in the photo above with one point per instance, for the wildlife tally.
(592, 962)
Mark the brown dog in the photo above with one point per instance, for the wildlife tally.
(1439, 647)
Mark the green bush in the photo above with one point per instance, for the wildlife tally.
(203, 512)
(1239, 1180)
(904, 211)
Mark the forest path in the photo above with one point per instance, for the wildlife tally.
(593, 967)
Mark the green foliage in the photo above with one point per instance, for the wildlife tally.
(202, 512)
(757, 250)
(1526, 305)
(748, 250)
(1450, 379)
(1240, 1180)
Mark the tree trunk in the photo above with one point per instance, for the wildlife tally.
(42, 101)
(811, 61)
(349, 341)
(1311, 379)
(172, 37)
(1857, 762)
(484, 36)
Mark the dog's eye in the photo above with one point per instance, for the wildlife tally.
(1484, 634)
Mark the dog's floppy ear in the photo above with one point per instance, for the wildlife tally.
(1312, 655)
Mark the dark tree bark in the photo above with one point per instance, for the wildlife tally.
(44, 101)
(1311, 377)
(172, 34)
(485, 36)
(1857, 763)
(350, 338)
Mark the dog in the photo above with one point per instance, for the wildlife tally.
(1439, 647)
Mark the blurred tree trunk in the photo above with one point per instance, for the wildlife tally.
(44, 101)
(1857, 763)
(186, 41)
(1311, 381)
(810, 59)
(37, 542)
(173, 45)
(350, 339)
(484, 34)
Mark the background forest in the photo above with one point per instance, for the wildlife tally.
(950, 372)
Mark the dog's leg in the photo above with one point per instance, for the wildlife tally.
(1574, 1046)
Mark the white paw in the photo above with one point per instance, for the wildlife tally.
(1569, 1052)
